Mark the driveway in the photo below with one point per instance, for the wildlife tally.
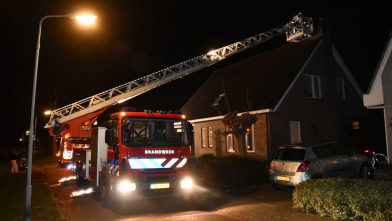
(259, 202)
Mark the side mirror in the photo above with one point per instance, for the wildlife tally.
(109, 137)
(109, 124)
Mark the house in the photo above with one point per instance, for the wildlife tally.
(301, 92)
(379, 95)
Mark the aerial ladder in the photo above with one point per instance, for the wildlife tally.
(297, 29)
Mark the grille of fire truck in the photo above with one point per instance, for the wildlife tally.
(159, 171)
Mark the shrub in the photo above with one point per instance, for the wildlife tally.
(204, 160)
(233, 170)
(383, 172)
(353, 199)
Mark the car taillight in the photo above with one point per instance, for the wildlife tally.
(303, 167)
(271, 167)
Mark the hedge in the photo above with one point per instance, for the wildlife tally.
(353, 199)
(233, 170)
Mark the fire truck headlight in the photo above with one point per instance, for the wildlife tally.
(186, 184)
(127, 186)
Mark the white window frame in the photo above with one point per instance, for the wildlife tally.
(204, 137)
(343, 89)
(292, 141)
(313, 78)
(231, 138)
(253, 140)
(209, 132)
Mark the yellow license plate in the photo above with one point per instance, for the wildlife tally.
(160, 185)
(283, 178)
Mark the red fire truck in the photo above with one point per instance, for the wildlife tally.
(65, 150)
(67, 146)
(137, 155)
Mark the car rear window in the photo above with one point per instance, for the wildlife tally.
(290, 154)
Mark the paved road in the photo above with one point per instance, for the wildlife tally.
(260, 202)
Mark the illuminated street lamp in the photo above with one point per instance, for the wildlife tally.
(84, 19)
(47, 112)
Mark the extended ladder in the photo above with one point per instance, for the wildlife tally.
(298, 28)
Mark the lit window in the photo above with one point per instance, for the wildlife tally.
(210, 137)
(203, 137)
(356, 125)
(312, 86)
(249, 139)
(295, 132)
(229, 142)
(339, 83)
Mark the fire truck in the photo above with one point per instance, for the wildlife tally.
(67, 146)
(137, 155)
(144, 154)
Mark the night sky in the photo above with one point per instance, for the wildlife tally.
(134, 38)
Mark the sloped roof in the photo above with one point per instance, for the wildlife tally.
(380, 64)
(374, 97)
(253, 84)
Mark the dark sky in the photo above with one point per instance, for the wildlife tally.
(134, 38)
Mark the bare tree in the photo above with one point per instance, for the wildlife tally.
(237, 126)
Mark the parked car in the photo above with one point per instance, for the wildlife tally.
(295, 163)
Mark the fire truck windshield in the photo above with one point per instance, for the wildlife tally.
(141, 132)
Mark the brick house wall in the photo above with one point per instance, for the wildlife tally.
(317, 116)
(321, 119)
(259, 135)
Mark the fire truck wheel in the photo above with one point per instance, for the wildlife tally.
(97, 194)
(104, 189)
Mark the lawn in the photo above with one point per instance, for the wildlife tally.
(12, 196)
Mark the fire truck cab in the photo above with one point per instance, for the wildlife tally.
(147, 156)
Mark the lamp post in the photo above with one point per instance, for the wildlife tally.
(84, 19)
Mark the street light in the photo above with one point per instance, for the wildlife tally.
(84, 19)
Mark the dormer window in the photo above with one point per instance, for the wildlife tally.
(216, 102)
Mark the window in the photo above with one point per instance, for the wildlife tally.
(154, 132)
(115, 131)
(290, 154)
(321, 151)
(337, 149)
(210, 137)
(249, 139)
(355, 125)
(312, 86)
(216, 102)
(229, 142)
(295, 132)
(203, 137)
(339, 83)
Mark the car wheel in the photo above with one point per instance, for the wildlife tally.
(278, 186)
(104, 189)
(364, 172)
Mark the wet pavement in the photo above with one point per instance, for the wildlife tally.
(259, 202)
